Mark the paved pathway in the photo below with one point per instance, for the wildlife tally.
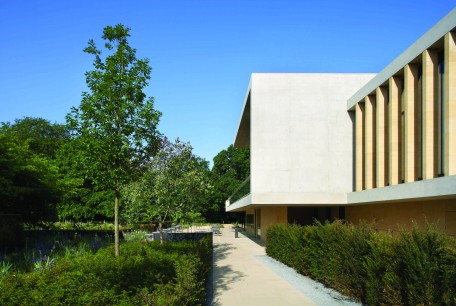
(240, 278)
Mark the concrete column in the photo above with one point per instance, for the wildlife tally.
(411, 118)
(381, 136)
(395, 88)
(430, 98)
(359, 173)
(450, 104)
(369, 142)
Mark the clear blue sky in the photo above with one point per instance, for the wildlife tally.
(202, 52)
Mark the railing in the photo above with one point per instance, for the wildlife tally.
(239, 193)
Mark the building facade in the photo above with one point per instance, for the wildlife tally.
(379, 148)
(299, 134)
(405, 137)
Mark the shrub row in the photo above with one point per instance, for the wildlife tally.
(144, 274)
(416, 267)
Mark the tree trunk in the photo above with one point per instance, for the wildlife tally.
(160, 228)
(116, 225)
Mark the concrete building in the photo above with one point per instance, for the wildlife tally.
(355, 146)
(299, 134)
(405, 137)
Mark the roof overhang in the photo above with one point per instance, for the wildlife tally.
(242, 138)
(428, 40)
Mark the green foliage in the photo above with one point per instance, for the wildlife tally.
(381, 280)
(5, 267)
(415, 268)
(186, 289)
(84, 226)
(116, 126)
(136, 235)
(41, 137)
(174, 186)
(28, 173)
(281, 241)
(231, 167)
(423, 263)
(174, 274)
(81, 200)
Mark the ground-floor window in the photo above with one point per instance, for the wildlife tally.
(308, 215)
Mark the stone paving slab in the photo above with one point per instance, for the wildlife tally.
(239, 278)
(244, 275)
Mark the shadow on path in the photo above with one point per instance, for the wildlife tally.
(222, 275)
(245, 234)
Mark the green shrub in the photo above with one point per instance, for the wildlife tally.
(142, 271)
(185, 289)
(381, 281)
(424, 263)
(286, 244)
(334, 254)
(417, 267)
(136, 235)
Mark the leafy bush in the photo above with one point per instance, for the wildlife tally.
(381, 281)
(137, 235)
(286, 244)
(417, 267)
(185, 289)
(426, 263)
(334, 254)
(144, 273)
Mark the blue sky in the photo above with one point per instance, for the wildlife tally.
(202, 52)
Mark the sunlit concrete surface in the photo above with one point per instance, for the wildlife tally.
(240, 279)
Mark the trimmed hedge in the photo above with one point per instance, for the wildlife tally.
(144, 274)
(416, 267)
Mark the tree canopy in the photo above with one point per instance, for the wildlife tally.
(231, 167)
(28, 173)
(175, 184)
(115, 122)
(81, 199)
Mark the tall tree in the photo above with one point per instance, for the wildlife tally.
(231, 167)
(115, 121)
(175, 184)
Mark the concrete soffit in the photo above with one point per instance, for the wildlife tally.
(242, 138)
(445, 25)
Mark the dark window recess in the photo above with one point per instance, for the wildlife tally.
(308, 215)
(441, 116)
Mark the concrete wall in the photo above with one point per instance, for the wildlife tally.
(300, 137)
(270, 216)
(393, 216)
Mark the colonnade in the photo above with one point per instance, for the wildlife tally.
(405, 130)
